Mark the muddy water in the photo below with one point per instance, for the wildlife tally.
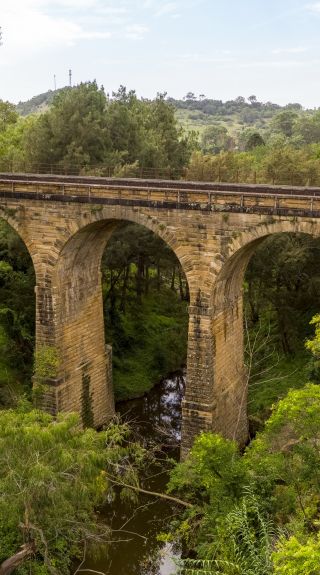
(135, 550)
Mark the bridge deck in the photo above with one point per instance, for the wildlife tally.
(158, 184)
(169, 194)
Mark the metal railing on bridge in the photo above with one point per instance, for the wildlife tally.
(202, 173)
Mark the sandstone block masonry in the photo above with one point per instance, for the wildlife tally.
(212, 228)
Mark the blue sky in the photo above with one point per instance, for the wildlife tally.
(223, 49)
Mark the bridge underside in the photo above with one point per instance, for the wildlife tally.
(213, 232)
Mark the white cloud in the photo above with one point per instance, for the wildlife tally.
(136, 32)
(315, 7)
(31, 26)
(294, 50)
(113, 10)
(278, 64)
(207, 59)
(31, 29)
(167, 9)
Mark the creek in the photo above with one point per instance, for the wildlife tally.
(135, 550)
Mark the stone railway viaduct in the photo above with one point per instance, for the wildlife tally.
(65, 223)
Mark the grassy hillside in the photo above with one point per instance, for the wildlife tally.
(38, 103)
(234, 115)
(197, 113)
(196, 120)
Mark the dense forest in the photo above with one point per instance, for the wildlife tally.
(254, 512)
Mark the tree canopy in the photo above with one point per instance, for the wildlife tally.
(83, 129)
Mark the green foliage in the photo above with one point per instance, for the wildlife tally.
(267, 386)
(145, 298)
(212, 478)
(53, 476)
(12, 147)
(294, 557)
(85, 132)
(213, 468)
(38, 103)
(46, 363)
(207, 567)
(50, 480)
(8, 115)
(11, 382)
(277, 162)
(313, 345)
(86, 400)
(284, 122)
(260, 512)
(254, 140)
(17, 303)
(72, 133)
(281, 290)
(215, 138)
(281, 294)
(148, 343)
(251, 533)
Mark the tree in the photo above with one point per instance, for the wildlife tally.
(282, 288)
(284, 122)
(212, 478)
(262, 508)
(83, 131)
(143, 284)
(8, 115)
(313, 345)
(253, 100)
(145, 135)
(284, 459)
(215, 138)
(17, 301)
(72, 135)
(297, 556)
(52, 478)
(190, 96)
(254, 140)
(307, 127)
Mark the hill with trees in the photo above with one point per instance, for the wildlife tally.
(196, 113)
(82, 130)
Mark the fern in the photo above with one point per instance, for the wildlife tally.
(207, 567)
(251, 535)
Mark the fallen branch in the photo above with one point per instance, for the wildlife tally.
(9, 565)
(153, 493)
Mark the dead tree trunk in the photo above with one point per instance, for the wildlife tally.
(9, 565)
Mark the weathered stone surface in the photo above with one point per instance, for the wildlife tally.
(213, 229)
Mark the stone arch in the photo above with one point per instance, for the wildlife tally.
(241, 247)
(114, 216)
(18, 226)
(85, 378)
(230, 379)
